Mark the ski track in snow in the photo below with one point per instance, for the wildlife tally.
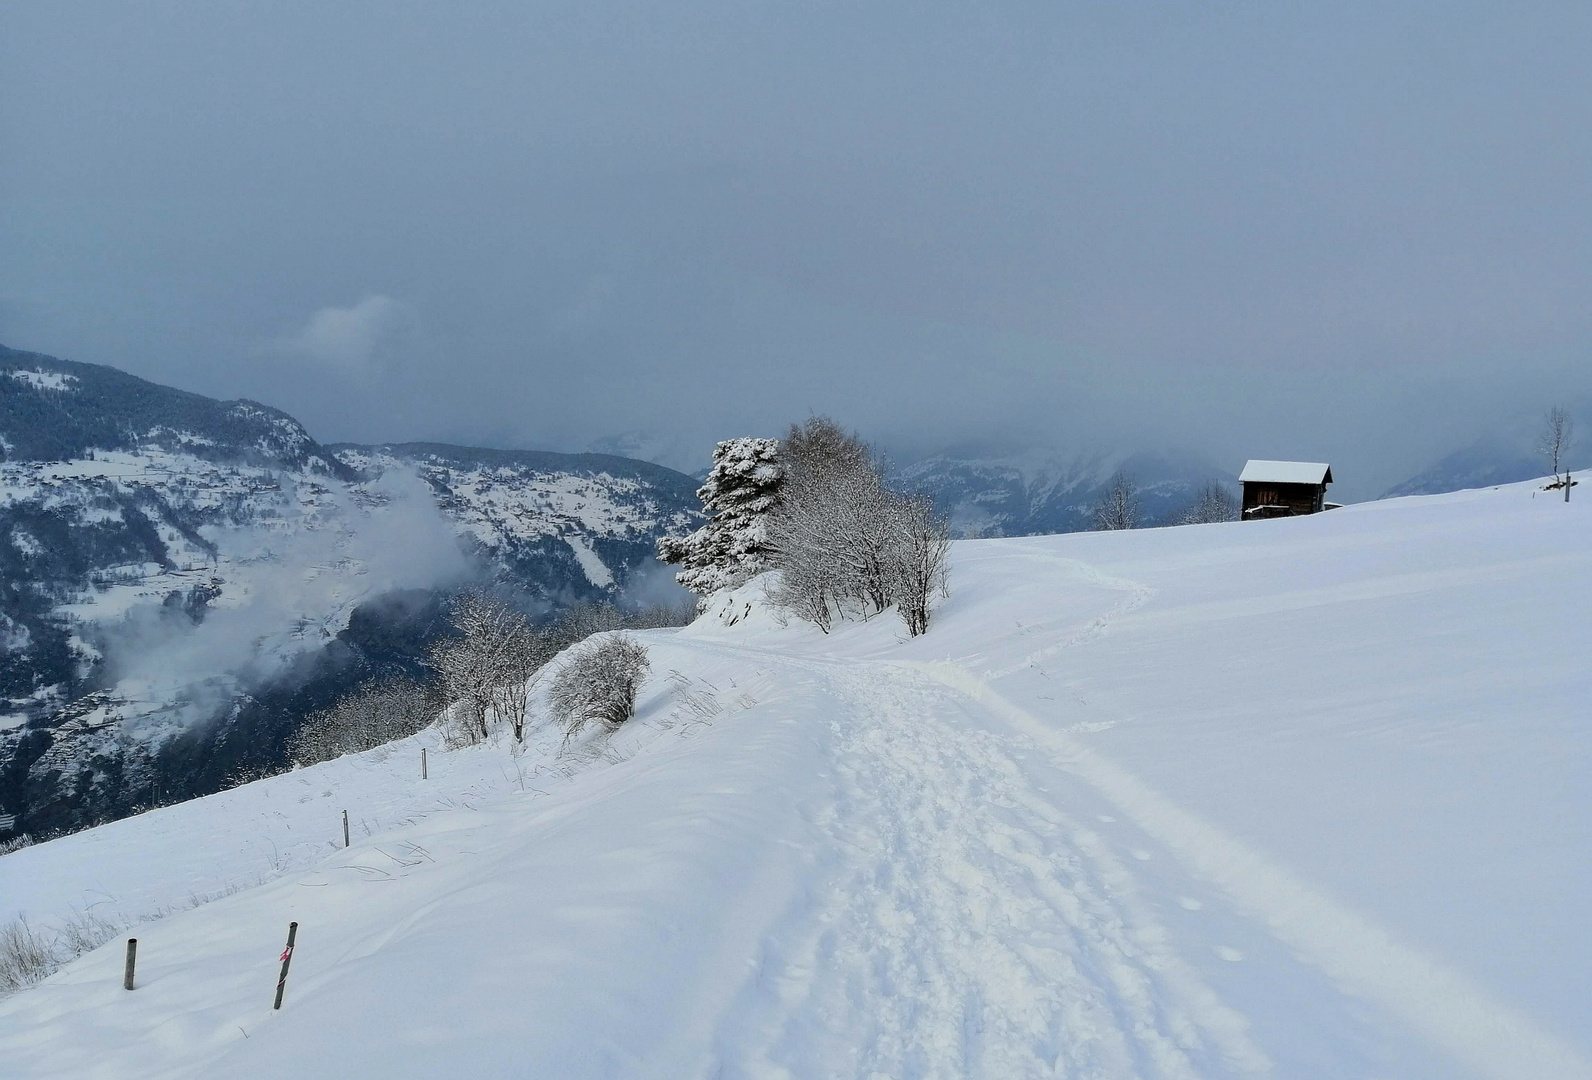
(1450, 1010)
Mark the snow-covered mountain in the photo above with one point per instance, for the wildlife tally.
(1293, 798)
(184, 578)
(1035, 491)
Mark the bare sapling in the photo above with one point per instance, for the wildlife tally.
(922, 541)
(1554, 442)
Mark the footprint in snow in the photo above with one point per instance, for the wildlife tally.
(1231, 955)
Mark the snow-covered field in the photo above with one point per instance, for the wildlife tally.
(1302, 798)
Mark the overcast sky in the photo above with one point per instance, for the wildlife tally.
(1350, 232)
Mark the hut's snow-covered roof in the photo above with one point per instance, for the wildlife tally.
(1286, 472)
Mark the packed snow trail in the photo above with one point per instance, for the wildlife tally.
(963, 926)
(1073, 831)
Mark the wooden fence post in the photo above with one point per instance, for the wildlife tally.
(132, 954)
(287, 958)
(345, 828)
(422, 763)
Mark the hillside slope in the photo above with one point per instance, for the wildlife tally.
(1301, 798)
(184, 579)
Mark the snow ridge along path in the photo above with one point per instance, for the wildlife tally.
(1434, 1000)
(1076, 831)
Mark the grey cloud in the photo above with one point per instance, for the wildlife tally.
(1353, 231)
(344, 337)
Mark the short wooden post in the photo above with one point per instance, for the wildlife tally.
(287, 958)
(422, 763)
(345, 828)
(1568, 484)
(132, 955)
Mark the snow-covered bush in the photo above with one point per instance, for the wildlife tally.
(375, 713)
(846, 544)
(731, 548)
(599, 683)
(488, 671)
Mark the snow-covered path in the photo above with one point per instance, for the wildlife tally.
(1062, 835)
(963, 925)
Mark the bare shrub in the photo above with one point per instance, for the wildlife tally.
(84, 932)
(376, 712)
(16, 843)
(580, 621)
(458, 727)
(26, 956)
(658, 616)
(599, 683)
(1118, 506)
(1213, 503)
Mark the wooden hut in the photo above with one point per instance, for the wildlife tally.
(1284, 488)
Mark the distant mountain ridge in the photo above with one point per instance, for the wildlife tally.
(991, 492)
(1487, 462)
(185, 578)
(54, 410)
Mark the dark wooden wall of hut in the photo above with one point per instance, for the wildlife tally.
(1289, 499)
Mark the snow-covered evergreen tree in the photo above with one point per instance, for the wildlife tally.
(740, 490)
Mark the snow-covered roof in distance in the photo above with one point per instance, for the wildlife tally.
(1286, 472)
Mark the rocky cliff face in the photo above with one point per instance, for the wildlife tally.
(184, 578)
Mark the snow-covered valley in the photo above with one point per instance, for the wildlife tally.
(185, 579)
(1301, 798)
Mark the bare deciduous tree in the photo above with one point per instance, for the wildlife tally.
(1118, 506)
(831, 487)
(599, 683)
(496, 649)
(1558, 432)
(923, 539)
(1213, 503)
(843, 542)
